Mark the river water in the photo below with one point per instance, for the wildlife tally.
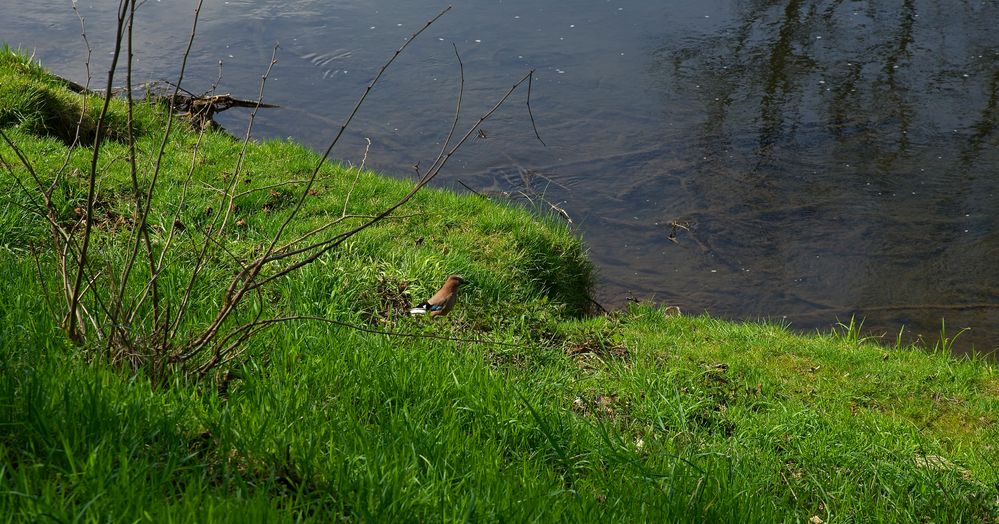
(799, 160)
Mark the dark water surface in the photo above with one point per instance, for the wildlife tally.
(819, 159)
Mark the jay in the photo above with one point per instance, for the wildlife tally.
(442, 301)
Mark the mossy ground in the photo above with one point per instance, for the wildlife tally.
(639, 415)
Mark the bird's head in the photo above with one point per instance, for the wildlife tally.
(456, 280)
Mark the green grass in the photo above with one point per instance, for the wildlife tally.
(635, 416)
(41, 104)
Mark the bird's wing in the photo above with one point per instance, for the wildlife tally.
(439, 304)
(444, 307)
(441, 297)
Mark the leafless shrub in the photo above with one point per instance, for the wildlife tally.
(127, 311)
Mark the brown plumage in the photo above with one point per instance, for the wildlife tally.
(443, 300)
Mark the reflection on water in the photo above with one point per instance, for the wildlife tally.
(824, 158)
(848, 161)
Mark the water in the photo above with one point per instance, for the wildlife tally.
(802, 160)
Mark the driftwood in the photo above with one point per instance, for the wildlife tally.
(201, 109)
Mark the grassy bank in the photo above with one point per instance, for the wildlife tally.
(638, 415)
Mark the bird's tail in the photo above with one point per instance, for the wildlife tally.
(420, 309)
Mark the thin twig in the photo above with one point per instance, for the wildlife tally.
(40, 210)
(560, 211)
(457, 112)
(41, 282)
(241, 284)
(531, 113)
(139, 236)
(472, 190)
(230, 184)
(84, 99)
(228, 207)
(175, 220)
(23, 159)
(357, 176)
(330, 243)
(336, 221)
(92, 178)
(336, 138)
(258, 189)
(261, 323)
(595, 303)
(157, 164)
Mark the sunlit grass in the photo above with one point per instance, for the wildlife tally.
(641, 415)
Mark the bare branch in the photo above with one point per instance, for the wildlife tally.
(531, 113)
(226, 201)
(23, 159)
(241, 284)
(42, 283)
(246, 331)
(84, 99)
(457, 112)
(343, 127)
(71, 329)
(472, 190)
(319, 248)
(143, 205)
(357, 176)
(175, 223)
(139, 235)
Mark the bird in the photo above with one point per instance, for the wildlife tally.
(442, 301)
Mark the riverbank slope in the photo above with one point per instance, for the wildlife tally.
(552, 414)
